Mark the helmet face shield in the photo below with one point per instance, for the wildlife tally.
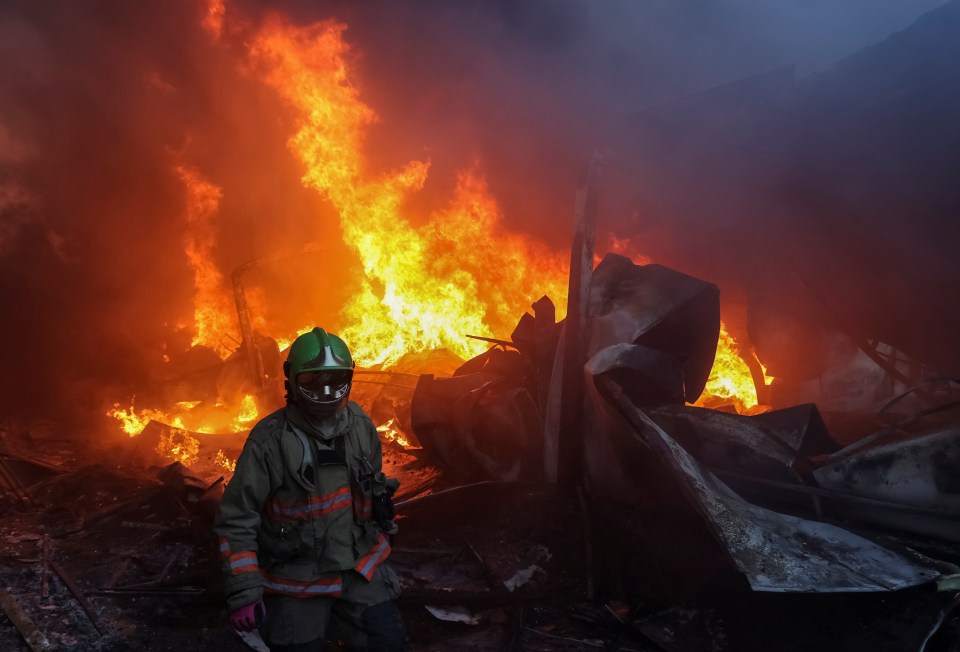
(319, 370)
(323, 383)
(324, 390)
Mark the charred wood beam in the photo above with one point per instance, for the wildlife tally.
(440, 495)
(493, 340)
(10, 479)
(496, 586)
(147, 593)
(45, 464)
(254, 359)
(28, 630)
(160, 579)
(113, 510)
(570, 436)
(118, 572)
(417, 489)
(45, 566)
(545, 336)
(77, 592)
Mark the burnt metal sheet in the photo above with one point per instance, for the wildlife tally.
(774, 552)
(659, 308)
(729, 441)
(923, 471)
(801, 427)
(478, 426)
(648, 376)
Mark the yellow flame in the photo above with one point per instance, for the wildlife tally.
(178, 445)
(730, 377)
(391, 433)
(423, 288)
(247, 415)
(131, 422)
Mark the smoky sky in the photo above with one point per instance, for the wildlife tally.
(100, 100)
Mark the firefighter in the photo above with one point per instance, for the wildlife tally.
(306, 522)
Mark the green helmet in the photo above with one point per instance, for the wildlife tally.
(319, 372)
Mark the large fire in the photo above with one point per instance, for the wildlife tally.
(423, 287)
(426, 282)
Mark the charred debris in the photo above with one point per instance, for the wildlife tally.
(632, 522)
(652, 525)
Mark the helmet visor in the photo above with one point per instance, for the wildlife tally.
(320, 382)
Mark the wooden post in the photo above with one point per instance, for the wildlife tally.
(77, 592)
(570, 436)
(45, 566)
(35, 639)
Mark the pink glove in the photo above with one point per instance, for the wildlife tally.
(247, 618)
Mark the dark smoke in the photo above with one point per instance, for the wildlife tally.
(100, 100)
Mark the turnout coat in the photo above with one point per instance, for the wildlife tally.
(297, 513)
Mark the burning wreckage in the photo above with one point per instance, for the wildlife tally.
(569, 488)
(558, 493)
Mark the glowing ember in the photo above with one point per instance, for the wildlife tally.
(391, 433)
(178, 445)
(424, 287)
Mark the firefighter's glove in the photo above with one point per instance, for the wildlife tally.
(248, 617)
(383, 490)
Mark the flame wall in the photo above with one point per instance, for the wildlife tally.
(109, 109)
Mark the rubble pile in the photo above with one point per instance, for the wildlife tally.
(686, 528)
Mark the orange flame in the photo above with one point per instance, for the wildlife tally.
(214, 312)
(459, 272)
(423, 288)
(180, 446)
(133, 421)
(185, 416)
